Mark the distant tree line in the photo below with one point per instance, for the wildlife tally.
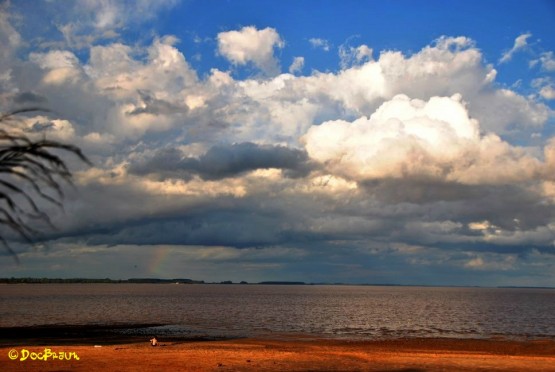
(132, 280)
(87, 280)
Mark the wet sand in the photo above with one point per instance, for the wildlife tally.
(299, 354)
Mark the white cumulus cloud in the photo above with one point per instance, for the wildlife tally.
(251, 45)
(407, 138)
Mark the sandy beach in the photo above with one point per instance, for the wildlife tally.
(301, 354)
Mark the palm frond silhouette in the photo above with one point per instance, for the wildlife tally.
(30, 170)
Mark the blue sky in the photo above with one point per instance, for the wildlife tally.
(401, 142)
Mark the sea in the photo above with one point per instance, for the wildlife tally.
(323, 311)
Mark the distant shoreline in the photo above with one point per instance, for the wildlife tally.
(97, 281)
(29, 280)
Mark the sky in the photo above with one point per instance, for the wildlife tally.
(405, 142)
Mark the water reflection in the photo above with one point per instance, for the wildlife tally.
(334, 311)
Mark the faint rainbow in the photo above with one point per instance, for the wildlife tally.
(158, 261)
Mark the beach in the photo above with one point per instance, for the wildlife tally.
(294, 354)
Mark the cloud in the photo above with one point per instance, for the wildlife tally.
(544, 87)
(87, 21)
(350, 56)
(11, 41)
(520, 43)
(408, 138)
(154, 106)
(492, 262)
(251, 45)
(320, 44)
(548, 92)
(60, 130)
(160, 92)
(149, 95)
(165, 70)
(297, 65)
(55, 59)
(29, 98)
(546, 61)
(225, 161)
(9, 37)
(448, 66)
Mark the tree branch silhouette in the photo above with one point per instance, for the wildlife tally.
(28, 170)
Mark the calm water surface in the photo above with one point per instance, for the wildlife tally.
(262, 310)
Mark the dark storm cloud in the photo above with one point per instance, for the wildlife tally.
(499, 204)
(352, 238)
(227, 221)
(124, 215)
(28, 98)
(420, 191)
(254, 221)
(219, 228)
(225, 161)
